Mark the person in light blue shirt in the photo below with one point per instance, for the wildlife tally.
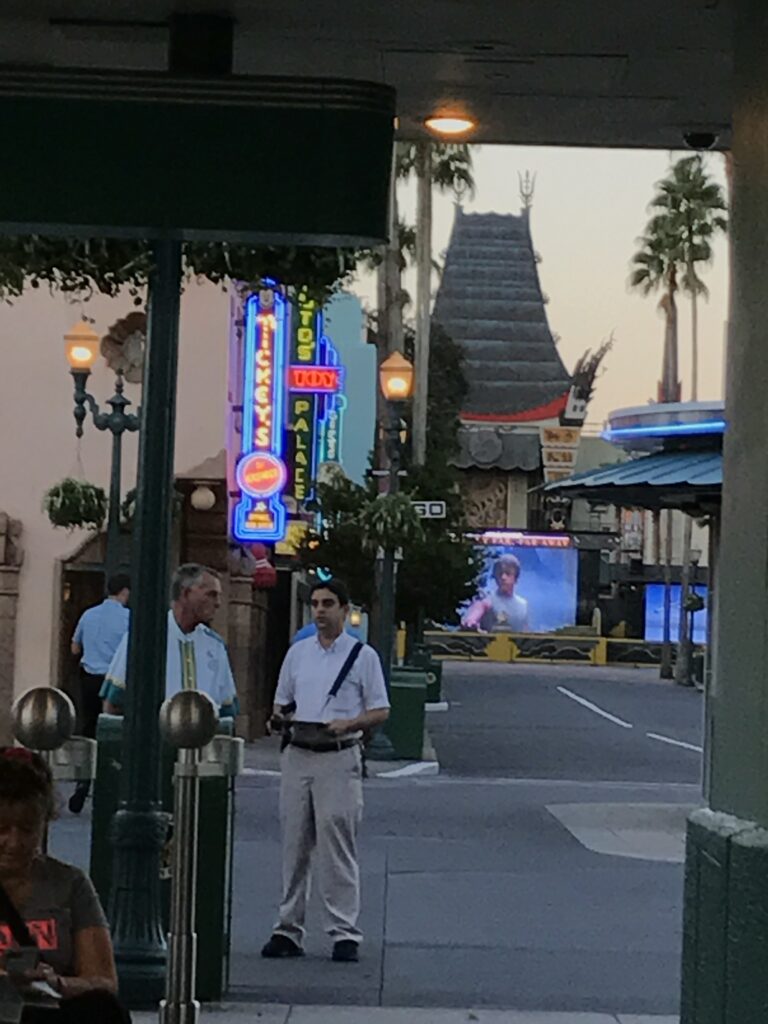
(196, 656)
(95, 640)
(101, 628)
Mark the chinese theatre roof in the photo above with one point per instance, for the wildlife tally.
(490, 301)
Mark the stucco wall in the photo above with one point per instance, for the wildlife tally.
(37, 432)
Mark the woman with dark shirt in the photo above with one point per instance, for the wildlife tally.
(58, 905)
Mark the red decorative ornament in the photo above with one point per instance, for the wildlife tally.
(264, 573)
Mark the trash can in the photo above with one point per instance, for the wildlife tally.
(422, 658)
(220, 763)
(405, 725)
(697, 667)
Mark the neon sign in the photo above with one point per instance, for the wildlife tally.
(289, 379)
(260, 472)
(334, 406)
(261, 475)
(302, 404)
(319, 380)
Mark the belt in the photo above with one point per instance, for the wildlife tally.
(325, 746)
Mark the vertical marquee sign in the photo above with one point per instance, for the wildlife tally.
(260, 471)
(302, 399)
(332, 404)
(288, 376)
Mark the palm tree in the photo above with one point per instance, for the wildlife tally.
(451, 165)
(691, 210)
(451, 170)
(657, 267)
(447, 167)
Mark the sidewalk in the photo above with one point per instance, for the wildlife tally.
(245, 1013)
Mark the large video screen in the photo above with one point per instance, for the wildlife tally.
(528, 584)
(654, 614)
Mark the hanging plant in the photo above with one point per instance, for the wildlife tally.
(75, 504)
(128, 506)
(390, 522)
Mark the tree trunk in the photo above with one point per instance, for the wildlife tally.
(669, 392)
(683, 665)
(694, 347)
(389, 338)
(685, 642)
(423, 296)
(656, 537)
(666, 647)
(670, 384)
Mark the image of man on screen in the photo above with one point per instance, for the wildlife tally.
(501, 608)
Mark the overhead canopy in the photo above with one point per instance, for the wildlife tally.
(532, 72)
(148, 155)
(687, 480)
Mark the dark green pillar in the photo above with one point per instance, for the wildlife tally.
(725, 954)
(139, 827)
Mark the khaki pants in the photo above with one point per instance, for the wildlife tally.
(321, 804)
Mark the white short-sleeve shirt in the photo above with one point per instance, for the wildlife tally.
(196, 660)
(310, 670)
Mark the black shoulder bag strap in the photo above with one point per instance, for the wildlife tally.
(346, 668)
(14, 920)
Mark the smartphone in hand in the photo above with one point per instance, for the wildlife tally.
(20, 961)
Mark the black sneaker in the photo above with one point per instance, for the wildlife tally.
(281, 946)
(345, 951)
(78, 798)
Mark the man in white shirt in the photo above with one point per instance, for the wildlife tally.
(196, 655)
(321, 789)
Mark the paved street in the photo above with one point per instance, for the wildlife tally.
(483, 886)
(475, 894)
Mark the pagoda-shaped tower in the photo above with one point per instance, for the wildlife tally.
(490, 301)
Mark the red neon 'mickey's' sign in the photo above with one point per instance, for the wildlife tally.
(322, 380)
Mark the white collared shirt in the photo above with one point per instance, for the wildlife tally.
(310, 670)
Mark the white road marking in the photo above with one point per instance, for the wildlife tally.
(259, 771)
(419, 768)
(593, 707)
(674, 743)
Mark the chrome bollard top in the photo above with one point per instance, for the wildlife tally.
(188, 720)
(43, 718)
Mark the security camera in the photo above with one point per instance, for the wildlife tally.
(700, 140)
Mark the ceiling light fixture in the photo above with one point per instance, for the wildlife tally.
(450, 125)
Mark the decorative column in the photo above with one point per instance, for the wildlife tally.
(725, 980)
(10, 565)
(139, 827)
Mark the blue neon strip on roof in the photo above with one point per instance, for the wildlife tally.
(667, 430)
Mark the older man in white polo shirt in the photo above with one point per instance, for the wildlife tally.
(196, 655)
(334, 688)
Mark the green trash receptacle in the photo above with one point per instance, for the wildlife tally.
(220, 763)
(405, 726)
(422, 658)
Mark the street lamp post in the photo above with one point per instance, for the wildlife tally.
(690, 606)
(396, 382)
(81, 345)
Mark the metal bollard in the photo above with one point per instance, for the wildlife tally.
(43, 719)
(188, 722)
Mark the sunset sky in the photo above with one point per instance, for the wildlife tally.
(589, 207)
